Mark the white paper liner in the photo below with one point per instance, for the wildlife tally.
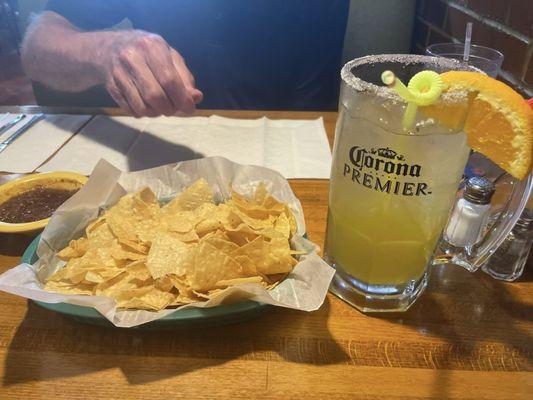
(304, 288)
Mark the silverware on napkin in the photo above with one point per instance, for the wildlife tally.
(12, 123)
(20, 131)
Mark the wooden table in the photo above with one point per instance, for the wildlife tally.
(468, 337)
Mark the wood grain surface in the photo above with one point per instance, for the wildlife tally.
(468, 337)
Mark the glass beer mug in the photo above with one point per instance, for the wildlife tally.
(391, 191)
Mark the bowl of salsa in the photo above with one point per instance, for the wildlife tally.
(26, 204)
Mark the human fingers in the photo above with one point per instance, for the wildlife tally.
(116, 95)
(158, 58)
(186, 76)
(153, 94)
(129, 93)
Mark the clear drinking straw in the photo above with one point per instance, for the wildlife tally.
(468, 40)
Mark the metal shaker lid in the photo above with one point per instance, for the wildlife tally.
(478, 190)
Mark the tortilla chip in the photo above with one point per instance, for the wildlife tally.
(191, 198)
(130, 245)
(211, 265)
(169, 255)
(136, 217)
(240, 281)
(139, 270)
(151, 300)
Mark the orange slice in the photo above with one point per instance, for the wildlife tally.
(497, 120)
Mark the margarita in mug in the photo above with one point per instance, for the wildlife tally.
(390, 196)
(398, 158)
(391, 188)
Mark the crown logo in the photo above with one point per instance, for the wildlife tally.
(385, 152)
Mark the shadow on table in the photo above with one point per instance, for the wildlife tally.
(474, 314)
(47, 346)
(141, 149)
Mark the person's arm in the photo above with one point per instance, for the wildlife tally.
(143, 74)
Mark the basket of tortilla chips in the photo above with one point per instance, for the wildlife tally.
(139, 246)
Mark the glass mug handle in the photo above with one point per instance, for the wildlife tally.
(503, 217)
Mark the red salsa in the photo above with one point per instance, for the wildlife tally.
(33, 205)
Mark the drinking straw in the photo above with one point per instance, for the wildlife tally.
(423, 89)
(468, 40)
(389, 79)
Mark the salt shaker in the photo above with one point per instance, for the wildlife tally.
(470, 214)
(507, 262)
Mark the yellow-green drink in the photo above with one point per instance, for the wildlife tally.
(377, 214)
(390, 194)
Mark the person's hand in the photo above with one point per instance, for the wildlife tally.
(146, 77)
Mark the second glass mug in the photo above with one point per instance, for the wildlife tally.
(391, 191)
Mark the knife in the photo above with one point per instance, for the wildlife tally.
(20, 131)
(12, 123)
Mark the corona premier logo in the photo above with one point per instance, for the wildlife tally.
(381, 170)
(383, 160)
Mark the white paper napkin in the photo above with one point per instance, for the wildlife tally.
(295, 148)
(39, 142)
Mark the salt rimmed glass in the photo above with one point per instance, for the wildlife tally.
(391, 190)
